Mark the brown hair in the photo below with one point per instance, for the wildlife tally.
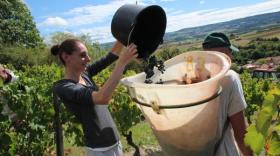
(68, 46)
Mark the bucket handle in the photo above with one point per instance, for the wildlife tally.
(181, 105)
(129, 35)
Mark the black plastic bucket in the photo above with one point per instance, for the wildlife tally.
(141, 25)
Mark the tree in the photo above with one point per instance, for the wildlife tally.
(94, 49)
(17, 26)
(59, 37)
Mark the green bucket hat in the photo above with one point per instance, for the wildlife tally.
(218, 39)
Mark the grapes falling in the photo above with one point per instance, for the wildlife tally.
(149, 68)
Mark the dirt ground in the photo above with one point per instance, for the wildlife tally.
(146, 151)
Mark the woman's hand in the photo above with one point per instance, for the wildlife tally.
(128, 55)
(117, 48)
(104, 94)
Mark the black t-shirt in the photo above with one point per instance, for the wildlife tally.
(97, 123)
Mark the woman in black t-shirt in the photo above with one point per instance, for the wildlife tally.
(82, 97)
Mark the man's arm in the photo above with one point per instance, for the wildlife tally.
(239, 126)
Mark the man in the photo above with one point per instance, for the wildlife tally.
(232, 121)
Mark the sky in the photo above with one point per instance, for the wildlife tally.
(93, 17)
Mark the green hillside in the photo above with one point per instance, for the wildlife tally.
(239, 26)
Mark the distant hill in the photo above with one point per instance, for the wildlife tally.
(238, 26)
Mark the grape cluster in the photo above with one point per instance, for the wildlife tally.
(149, 69)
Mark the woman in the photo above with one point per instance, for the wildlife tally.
(81, 96)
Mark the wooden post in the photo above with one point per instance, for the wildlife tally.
(58, 135)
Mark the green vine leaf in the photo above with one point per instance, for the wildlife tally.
(264, 120)
(277, 129)
(254, 139)
(274, 147)
(6, 139)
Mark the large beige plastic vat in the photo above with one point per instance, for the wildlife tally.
(182, 131)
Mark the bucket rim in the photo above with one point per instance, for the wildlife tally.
(134, 23)
(125, 81)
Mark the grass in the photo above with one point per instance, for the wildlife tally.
(142, 136)
(266, 33)
(141, 133)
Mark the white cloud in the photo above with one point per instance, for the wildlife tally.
(99, 34)
(201, 2)
(94, 13)
(203, 17)
(53, 21)
(91, 15)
